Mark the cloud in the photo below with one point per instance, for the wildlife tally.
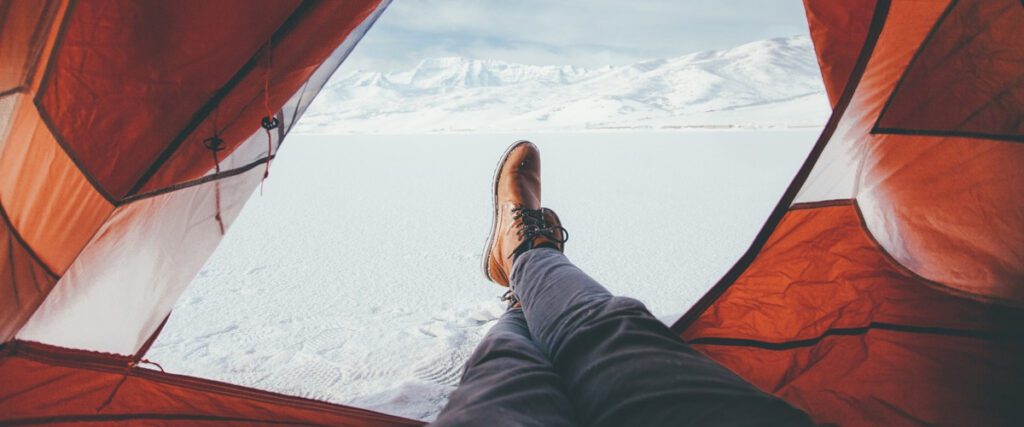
(579, 32)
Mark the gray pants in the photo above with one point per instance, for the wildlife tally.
(577, 355)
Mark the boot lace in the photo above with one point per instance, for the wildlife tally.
(510, 298)
(533, 225)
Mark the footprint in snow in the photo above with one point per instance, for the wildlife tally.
(443, 370)
(255, 270)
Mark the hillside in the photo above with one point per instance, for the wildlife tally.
(768, 83)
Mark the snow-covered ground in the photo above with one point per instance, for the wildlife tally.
(355, 277)
(765, 84)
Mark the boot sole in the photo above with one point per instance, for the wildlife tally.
(494, 202)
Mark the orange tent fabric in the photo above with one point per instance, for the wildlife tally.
(46, 385)
(840, 29)
(887, 287)
(107, 212)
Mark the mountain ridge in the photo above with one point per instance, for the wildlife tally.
(767, 83)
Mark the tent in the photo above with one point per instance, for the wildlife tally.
(885, 288)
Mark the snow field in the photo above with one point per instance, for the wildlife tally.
(356, 278)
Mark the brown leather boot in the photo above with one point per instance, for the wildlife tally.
(520, 224)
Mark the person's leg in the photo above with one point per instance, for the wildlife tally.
(622, 366)
(619, 365)
(508, 382)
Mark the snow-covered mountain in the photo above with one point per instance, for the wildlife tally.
(768, 83)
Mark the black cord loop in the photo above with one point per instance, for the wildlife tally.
(269, 123)
(214, 143)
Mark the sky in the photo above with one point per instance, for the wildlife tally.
(586, 33)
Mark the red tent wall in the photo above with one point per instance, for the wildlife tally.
(112, 195)
(886, 288)
(51, 385)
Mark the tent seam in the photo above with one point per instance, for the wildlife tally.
(855, 331)
(24, 244)
(195, 182)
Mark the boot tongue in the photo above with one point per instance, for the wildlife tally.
(545, 243)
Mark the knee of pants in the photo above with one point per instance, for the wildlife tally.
(507, 338)
(625, 305)
(505, 345)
